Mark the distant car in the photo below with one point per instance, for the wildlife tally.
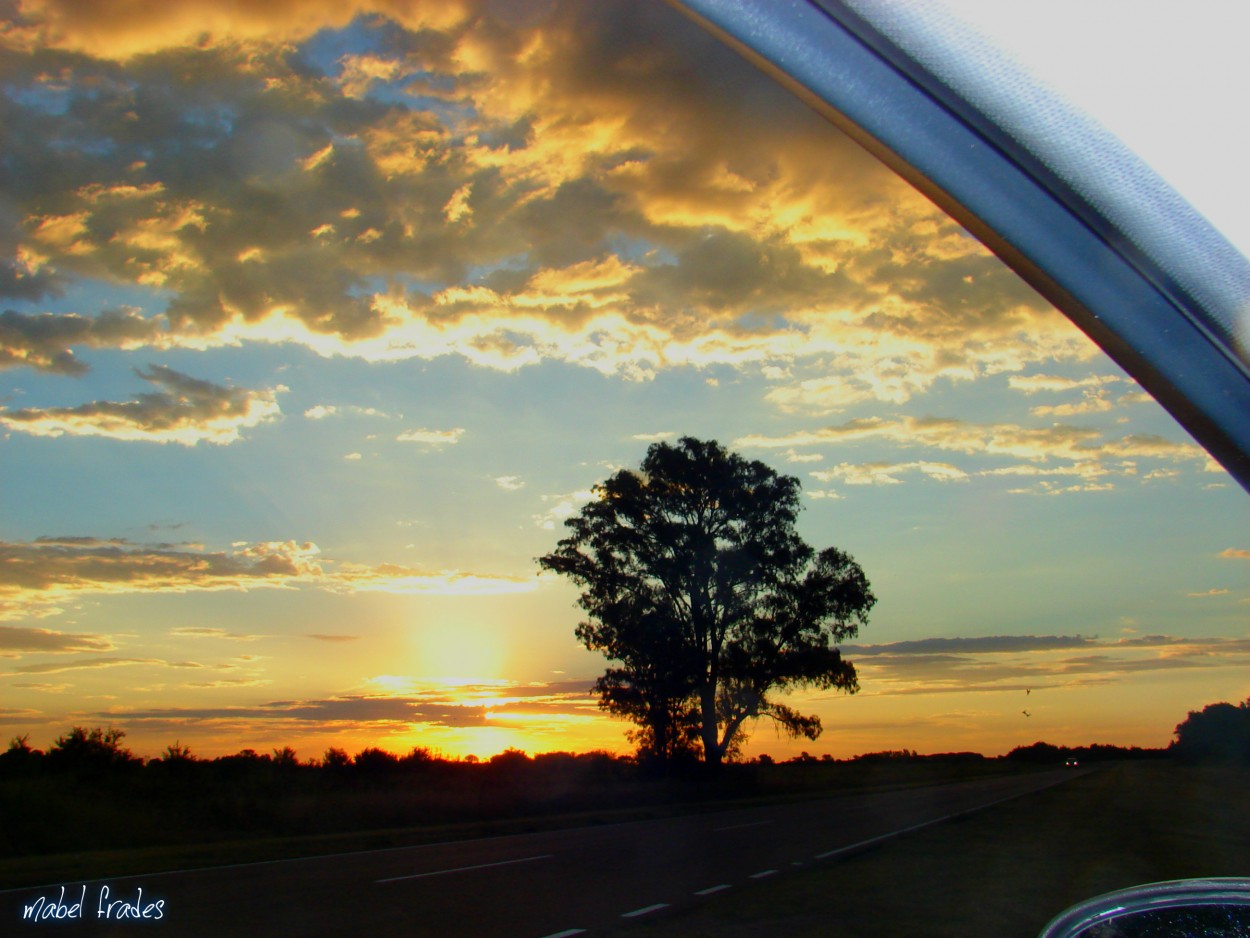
(1070, 763)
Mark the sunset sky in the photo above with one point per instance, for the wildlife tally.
(317, 319)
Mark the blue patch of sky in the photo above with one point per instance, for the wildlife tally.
(325, 48)
(634, 250)
(83, 146)
(413, 284)
(367, 287)
(87, 297)
(375, 35)
(480, 272)
(218, 118)
(49, 99)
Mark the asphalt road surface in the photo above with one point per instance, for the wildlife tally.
(542, 885)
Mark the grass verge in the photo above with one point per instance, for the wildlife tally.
(1004, 871)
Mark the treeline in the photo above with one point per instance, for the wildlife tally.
(1045, 753)
(88, 791)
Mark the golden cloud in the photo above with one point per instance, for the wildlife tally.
(398, 579)
(507, 185)
(883, 473)
(1057, 450)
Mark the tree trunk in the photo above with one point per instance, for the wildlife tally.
(711, 747)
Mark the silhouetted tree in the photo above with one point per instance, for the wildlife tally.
(336, 759)
(374, 761)
(19, 758)
(177, 753)
(96, 750)
(1220, 732)
(695, 581)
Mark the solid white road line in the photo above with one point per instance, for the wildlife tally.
(713, 889)
(923, 824)
(463, 869)
(646, 910)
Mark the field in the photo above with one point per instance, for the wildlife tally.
(1009, 869)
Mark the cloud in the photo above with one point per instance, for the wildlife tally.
(1033, 384)
(93, 664)
(511, 187)
(34, 575)
(188, 631)
(45, 641)
(322, 411)
(432, 437)
(322, 637)
(1061, 450)
(38, 575)
(654, 437)
(402, 580)
(1010, 663)
(148, 26)
(883, 473)
(510, 483)
(1236, 553)
(990, 644)
(562, 507)
(473, 706)
(43, 341)
(43, 686)
(185, 410)
(1092, 402)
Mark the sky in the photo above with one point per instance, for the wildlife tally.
(317, 320)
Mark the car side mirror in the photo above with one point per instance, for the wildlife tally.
(1201, 908)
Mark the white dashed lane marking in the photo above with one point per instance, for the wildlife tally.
(713, 889)
(762, 873)
(646, 910)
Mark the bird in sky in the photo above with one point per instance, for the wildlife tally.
(1026, 713)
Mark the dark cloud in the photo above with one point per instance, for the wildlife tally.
(185, 410)
(36, 574)
(92, 664)
(1030, 662)
(43, 341)
(990, 644)
(16, 638)
(337, 711)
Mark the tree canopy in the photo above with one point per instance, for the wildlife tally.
(696, 584)
(1219, 732)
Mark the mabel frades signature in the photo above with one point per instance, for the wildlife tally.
(105, 907)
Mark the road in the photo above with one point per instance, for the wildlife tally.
(540, 885)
